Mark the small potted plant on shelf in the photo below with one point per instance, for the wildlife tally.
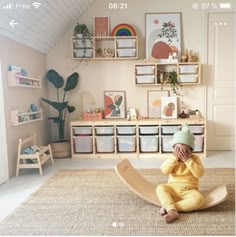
(172, 79)
(61, 147)
(82, 33)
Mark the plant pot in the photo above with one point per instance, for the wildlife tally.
(61, 149)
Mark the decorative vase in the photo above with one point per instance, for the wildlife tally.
(61, 149)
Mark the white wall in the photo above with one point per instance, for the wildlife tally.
(34, 62)
(98, 76)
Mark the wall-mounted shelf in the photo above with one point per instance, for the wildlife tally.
(149, 74)
(22, 81)
(116, 47)
(19, 117)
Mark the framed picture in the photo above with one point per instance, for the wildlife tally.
(169, 107)
(154, 102)
(101, 26)
(114, 104)
(163, 35)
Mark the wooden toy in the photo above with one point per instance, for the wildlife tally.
(147, 190)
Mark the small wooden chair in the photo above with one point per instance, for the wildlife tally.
(37, 159)
(147, 190)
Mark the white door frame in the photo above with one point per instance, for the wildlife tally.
(4, 172)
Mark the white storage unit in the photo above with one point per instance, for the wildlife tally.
(145, 69)
(105, 144)
(145, 79)
(126, 52)
(79, 43)
(82, 53)
(185, 68)
(149, 143)
(170, 129)
(83, 144)
(188, 78)
(126, 143)
(120, 138)
(126, 43)
(148, 129)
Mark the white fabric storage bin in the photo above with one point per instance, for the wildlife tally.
(145, 79)
(149, 143)
(126, 43)
(188, 69)
(126, 52)
(83, 144)
(83, 131)
(81, 53)
(130, 130)
(145, 70)
(147, 129)
(126, 143)
(104, 130)
(78, 43)
(188, 78)
(198, 143)
(105, 144)
(196, 129)
(170, 129)
(167, 143)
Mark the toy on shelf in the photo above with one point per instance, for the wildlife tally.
(123, 30)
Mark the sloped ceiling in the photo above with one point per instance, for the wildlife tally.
(42, 27)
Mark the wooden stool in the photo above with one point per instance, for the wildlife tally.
(147, 190)
(38, 158)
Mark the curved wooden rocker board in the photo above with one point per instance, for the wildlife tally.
(147, 190)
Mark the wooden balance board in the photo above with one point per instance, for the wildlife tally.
(147, 190)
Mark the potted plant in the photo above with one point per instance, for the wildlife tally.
(172, 79)
(62, 107)
(82, 33)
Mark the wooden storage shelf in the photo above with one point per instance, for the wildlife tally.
(84, 138)
(19, 117)
(22, 81)
(123, 47)
(148, 73)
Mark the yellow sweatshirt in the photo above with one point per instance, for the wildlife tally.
(186, 173)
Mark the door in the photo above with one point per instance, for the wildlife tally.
(221, 81)
(3, 143)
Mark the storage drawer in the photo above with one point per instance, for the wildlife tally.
(145, 70)
(126, 52)
(196, 129)
(188, 69)
(126, 43)
(170, 129)
(80, 53)
(146, 129)
(126, 143)
(149, 143)
(79, 43)
(82, 130)
(83, 144)
(199, 143)
(188, 78)
(167, 143)
(104, 130)
(105, 144)
(127, 130)
(145, 79)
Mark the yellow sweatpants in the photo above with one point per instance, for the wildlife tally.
(179, 197)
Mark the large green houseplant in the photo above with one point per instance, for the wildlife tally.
(61, 104)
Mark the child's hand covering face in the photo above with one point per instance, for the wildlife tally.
(182, 152)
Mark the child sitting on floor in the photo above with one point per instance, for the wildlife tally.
(184, 169)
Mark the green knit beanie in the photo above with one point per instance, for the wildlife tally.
(184, 137)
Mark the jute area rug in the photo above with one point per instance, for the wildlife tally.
(96, 202)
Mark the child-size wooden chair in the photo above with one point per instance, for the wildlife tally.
(34, 159)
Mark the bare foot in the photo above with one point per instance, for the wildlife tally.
(171, 216)
(162, 211)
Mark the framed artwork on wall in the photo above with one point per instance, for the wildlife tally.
(154, 102)
(163, 35)
(169, 107)
(101, 26)
(114, 104)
